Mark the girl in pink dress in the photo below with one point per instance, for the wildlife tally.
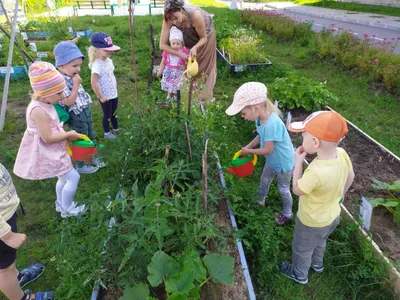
(172, 67)
(43, 150)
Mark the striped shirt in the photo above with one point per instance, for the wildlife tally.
(82, 100)
(8, 200)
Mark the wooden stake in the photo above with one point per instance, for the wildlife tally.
(134, 61)
(188, 140)
(153, 56)
(204, 173)
(178, 101)
(190, 96)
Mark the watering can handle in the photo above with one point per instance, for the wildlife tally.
(237, 154)
(83, 137)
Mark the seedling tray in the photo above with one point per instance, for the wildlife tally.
(235, 68)
(17, 72)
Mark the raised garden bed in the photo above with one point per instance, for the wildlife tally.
(81, 32)
(234, 68)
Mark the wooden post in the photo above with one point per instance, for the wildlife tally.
(178, 101)
(8, 74)
(188, 140)
(204, 175)
(134, 60)
(190, 96)
(153, 56)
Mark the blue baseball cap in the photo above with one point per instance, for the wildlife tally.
(103, 41)
(65, 52)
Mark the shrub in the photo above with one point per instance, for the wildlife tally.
(293, 91)
(243, 48)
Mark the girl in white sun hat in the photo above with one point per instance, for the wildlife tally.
(172, 67)
(252, 103)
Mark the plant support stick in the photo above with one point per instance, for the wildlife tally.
(188, 140)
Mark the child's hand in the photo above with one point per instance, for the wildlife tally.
(300, 154)
(244, 151)
(183, 56)
(14, 240)
(103, 99)
(73, 135)
(159, 74)
(77, 79)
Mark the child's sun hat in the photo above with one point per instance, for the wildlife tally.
(325, 125)
(45, 79)
(103, 41)
(65, 52)
(250, 93)
(175, 34)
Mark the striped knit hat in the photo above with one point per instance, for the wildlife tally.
(45, 79)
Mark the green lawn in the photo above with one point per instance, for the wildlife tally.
(72, 249)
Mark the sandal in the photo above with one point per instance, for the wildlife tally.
(38, 295)
(30, 274)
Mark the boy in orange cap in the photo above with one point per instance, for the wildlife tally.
(320, 188)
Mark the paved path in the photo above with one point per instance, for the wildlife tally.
(379, 29)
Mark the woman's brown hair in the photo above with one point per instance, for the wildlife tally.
(169, 13)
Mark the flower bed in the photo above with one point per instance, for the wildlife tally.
(17, 72)
(352, 53)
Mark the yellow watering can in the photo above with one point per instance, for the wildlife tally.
(192, 67)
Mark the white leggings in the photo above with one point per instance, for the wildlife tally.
(66, 187)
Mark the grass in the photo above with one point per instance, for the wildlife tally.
(72, 249)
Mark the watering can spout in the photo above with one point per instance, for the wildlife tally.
(231, 170)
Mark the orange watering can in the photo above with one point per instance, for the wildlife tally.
(242, 166)
(83, 149)
(192, 67)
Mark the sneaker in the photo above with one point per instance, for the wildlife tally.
(28, 294)
(286, 269)
(116, 131)
(284, 220)
(87, 169)
(109, 136)
(262, 202)
(318, 269)
(98, 162)
(73, 211)
(30, 274)
(58, 207)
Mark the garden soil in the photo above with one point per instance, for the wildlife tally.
(237, 290)
(370, 162)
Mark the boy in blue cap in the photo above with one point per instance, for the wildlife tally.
(68, 61)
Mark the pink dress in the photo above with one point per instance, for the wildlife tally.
(173, 71)
(36, 159)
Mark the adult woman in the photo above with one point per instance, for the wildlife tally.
(198, 34)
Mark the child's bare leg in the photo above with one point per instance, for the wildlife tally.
(9, 284)
(170, 95)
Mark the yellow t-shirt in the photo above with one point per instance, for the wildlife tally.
(323, 183)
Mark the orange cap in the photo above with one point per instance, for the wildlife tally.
(325, 125)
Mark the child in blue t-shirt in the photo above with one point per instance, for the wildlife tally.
(275, 144)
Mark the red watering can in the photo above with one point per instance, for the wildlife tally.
(242, 166)
(83, 149)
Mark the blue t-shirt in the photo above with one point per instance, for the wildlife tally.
(273, 130)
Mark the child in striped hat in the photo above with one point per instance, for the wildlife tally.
(43, 150)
